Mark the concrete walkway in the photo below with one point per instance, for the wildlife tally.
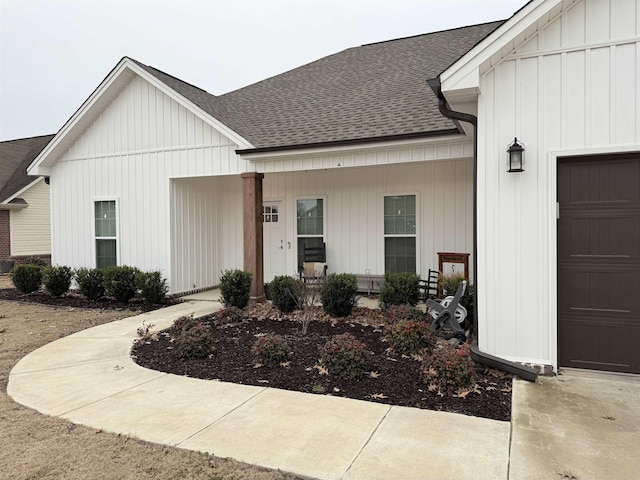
(90, 379)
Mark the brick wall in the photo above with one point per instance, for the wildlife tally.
(5, 235)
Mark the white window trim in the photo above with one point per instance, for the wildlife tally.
(416, 235)
(93, 228)
(295, 222)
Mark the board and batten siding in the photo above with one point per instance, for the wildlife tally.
(206, 229)
(572, 87)
(129, 154)
(31, 227)
(354, 210)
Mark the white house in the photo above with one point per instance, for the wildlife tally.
(24, 203)
(353, 151)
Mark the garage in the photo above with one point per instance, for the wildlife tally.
(599, 262)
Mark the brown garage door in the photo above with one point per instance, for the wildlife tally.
(599, 263)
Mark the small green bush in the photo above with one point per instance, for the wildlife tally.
(182, 324)
(407, 337)
(26, 278)
(395, 313)
(235, 287)
(399, 288)
(90, 282)
(285, 293)
(120, 282)
(344, 356)
(271, 349)
(196, 342)
(450, 368)
(57, 280)
(339, 294)
(153, 288)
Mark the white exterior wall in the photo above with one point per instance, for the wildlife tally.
(31, 227)
(353, 197)
(129, 154)
(207, 230)
(571, 89)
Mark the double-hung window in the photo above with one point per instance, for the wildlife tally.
(400, 233)
(106, 233)
(309, 225)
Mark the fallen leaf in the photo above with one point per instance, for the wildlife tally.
(322, 370)
(336, 389)
(258, 365)
(432, 387)
(609, 417)
(374, 374)
(263, 381)
(490, 388)
(2, 330)
(462, 394)
(285, 364)
(378, 396)
(154, 337)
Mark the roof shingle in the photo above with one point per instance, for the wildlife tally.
(15, 157)
(368, 92)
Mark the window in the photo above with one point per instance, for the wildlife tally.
(400, 233)
(105, 225)
(270, 214)
(310, 225)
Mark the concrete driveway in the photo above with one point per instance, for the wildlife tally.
(576, 426)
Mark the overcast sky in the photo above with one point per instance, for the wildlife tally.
(53, 53)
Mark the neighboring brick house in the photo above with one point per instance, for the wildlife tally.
(24, 203)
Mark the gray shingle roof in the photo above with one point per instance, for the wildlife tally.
(15, 157)
(369, 92)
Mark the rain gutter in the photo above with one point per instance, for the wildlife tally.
(526, 373)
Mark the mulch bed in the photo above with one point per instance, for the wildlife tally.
(74, 300)
(391, 379)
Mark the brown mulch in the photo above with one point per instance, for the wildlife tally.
(75, 300)
(390, 379)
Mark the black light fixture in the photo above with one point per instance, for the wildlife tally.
(516, 156)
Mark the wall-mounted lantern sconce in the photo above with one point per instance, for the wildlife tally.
(516, 156)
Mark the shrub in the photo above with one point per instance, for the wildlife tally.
(344, 356)
(26, 278)
(152, 286)
(407, 337)
(399, 288)
(339, 294)
(182, 324)
(34, 260)
(57, 280)
(90, 282)
(285, 293)
(196, 342)
(271, 349)
(120, 282)
(450, 368)
(395, 313)
(228, 315)
(235, 287)
(450, 285)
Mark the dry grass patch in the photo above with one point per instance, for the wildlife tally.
(35, 446)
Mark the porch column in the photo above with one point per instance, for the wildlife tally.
(252, 220)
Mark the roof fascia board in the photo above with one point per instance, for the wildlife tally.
(458, 74)
(23, 189)
(13, 206)
(302, 152)
(48, 157)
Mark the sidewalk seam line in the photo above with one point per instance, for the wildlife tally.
(113, 394)
(355, 459)
(510, 431)
(222, 417)
(70, 365)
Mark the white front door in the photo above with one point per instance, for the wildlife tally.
(274, 243)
